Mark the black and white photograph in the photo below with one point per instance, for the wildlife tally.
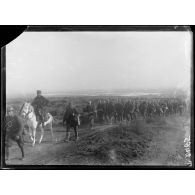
(99, 98)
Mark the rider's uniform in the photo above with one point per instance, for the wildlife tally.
(39, 103)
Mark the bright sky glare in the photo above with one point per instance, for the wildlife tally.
(63, 61)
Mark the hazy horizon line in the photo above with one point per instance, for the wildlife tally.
(73, 91)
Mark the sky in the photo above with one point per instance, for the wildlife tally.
(64, 61)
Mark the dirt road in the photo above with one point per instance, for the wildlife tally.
(48, 152)
(166, 147)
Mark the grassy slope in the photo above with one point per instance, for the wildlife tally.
(154, 142)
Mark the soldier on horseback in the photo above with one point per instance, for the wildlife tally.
(39, 104)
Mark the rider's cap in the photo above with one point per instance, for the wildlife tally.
(39, 92)
(10, 108)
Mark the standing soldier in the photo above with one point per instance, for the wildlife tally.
(39, 104)
(71, 119)
(119, 110)
(100, 111)
(91, 111)
(14, 131)
(126, 113)
(104, 110)
(131, 109)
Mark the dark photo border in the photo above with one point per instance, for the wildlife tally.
(53, 28)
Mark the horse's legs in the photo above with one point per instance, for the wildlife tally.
(22, 137)
(42, 133)
(6, 151)
(76, 133)
(34, 136)
(67, 134)
(51, 128)
(21, 144)
(30, 133)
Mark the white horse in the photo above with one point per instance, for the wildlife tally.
(27, 112)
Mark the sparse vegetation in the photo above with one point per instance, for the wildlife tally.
(155, 141)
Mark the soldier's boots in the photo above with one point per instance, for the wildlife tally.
(67, 139)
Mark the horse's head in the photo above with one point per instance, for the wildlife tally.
(26, 109)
